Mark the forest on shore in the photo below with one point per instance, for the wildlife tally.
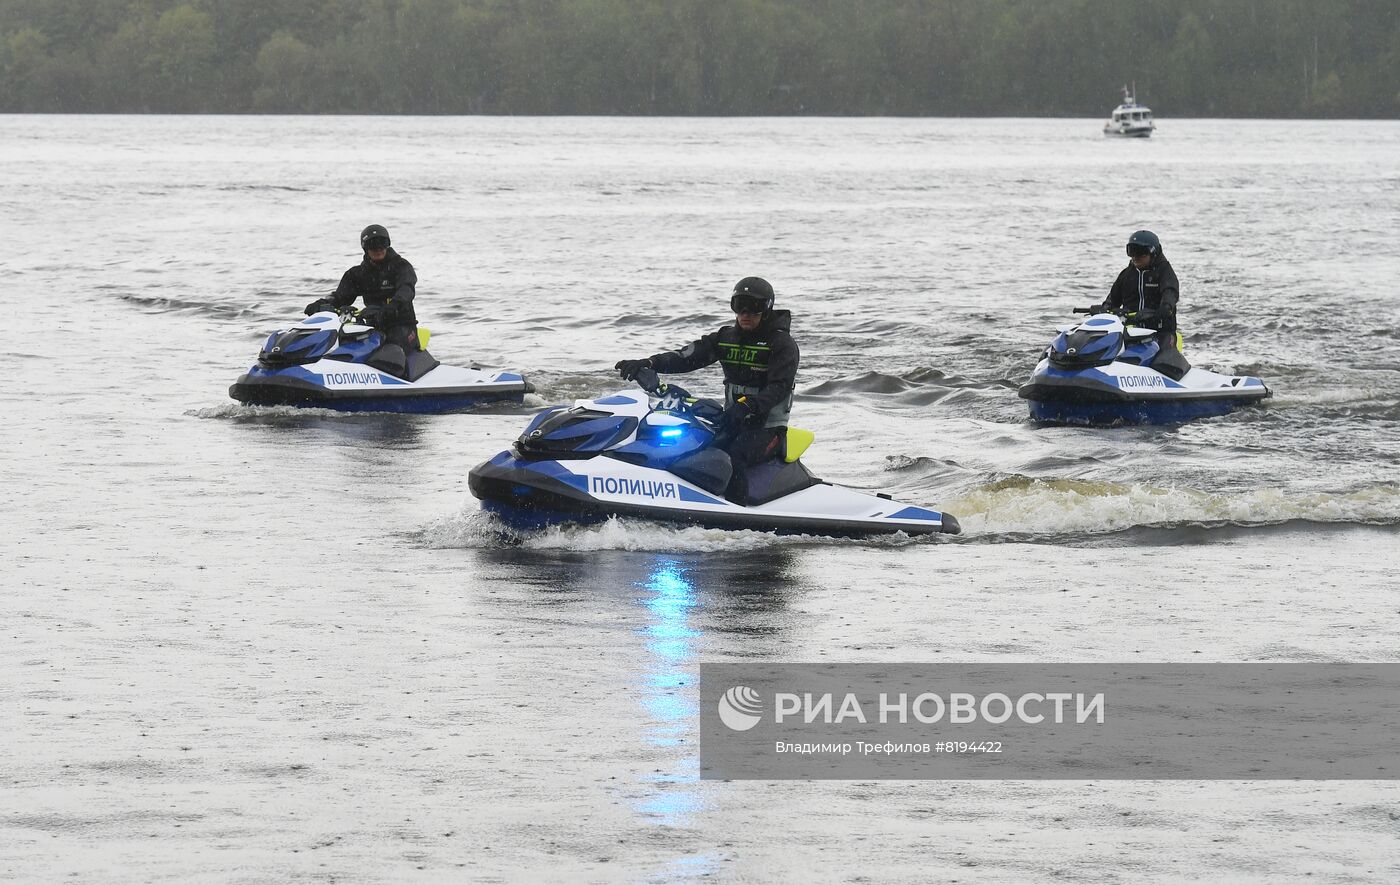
(1188, 58)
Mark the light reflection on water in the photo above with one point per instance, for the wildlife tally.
(669, 699)
(667, 695)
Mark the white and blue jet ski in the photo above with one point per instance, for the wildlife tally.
(1102, 372)
(636, 455)
(331, 362)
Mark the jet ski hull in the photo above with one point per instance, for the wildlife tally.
(1101, 372)
(531, 494)
(362, 389)
(1128, 394)
(326, 361)
(1090, 414)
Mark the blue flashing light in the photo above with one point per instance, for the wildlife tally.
(672, 432)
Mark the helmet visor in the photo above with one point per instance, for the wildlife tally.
(375, 243)
(1136, 250)
(747, 304)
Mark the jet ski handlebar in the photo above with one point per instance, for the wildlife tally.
(1099, 308)
(674, 398)
(648, 380)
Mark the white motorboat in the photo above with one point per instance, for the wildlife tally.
(1130, 119)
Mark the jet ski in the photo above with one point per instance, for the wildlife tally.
(329, 361)
(1105, 372)
(648, 455)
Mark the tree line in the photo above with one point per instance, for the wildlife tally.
(1249, 58)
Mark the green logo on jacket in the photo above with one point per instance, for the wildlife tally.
(753, 356)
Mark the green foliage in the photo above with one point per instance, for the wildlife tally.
(285, 69)
(926, 57)
(181, 61)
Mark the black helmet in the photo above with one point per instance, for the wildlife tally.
(1143, 242)
(752, 292)
(375, 235)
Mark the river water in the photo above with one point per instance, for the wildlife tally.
(267, 645)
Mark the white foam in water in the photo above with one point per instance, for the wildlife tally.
(1075, 506)
(239, 410)
(469, 528)
(642, 536)
(476, 528)
(1336, 396)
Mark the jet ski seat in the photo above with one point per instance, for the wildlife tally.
(1170, 362)
(410, 367)
(712, 470)
(389, 358)
(420, 363)
(769, 481)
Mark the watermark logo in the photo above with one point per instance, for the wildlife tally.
(1163, 721)
(740, 708)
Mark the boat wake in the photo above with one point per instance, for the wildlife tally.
(1020, 507)
(238, 412)
(257, 310)
(918, 387)
(279, 414)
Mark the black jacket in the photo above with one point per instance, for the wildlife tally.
(389, 282)
(761, 364)
(1153, 289)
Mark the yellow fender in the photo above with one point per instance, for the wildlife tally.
(423, 336)
(797, 442)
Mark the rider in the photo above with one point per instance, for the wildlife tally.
(759, 359)
(385, 280)
(1146, 290)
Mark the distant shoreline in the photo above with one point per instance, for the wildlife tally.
(1285, 59)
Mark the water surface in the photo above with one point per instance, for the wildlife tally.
(266, 644)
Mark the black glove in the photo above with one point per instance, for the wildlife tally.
(1146, 319)
(735, 416)
(628, 369)
(319, 305)
(374, 315)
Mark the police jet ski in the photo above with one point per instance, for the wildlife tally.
(1105, 372)
(329, 361)
(636, 455)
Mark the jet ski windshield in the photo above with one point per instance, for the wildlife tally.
(583, 430)
(295, 347)
(573, 433)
